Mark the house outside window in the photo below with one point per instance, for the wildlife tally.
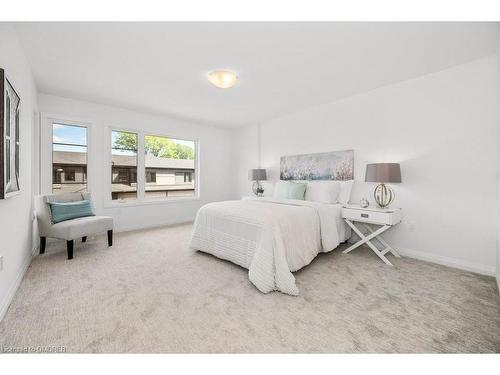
(168, 166)
(123, 165)
(169, 159)
(69, 158)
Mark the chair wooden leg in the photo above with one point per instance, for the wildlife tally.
(84, 239)
(110, 237)
(69, 245)
(43, 240)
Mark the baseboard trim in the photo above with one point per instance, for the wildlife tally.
(131, 228)
(450, 262)
(152, 226)
(4, 305)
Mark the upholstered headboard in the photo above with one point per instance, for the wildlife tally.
(335, 165)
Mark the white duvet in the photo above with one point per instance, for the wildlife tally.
(271, 238)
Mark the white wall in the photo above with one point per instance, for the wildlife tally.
(15, 212)
(216, 179)
(442, 128)
(246, 144)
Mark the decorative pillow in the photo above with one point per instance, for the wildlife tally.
(296, 190)
(323, 191)
(289, 190)
(70, 210)
(63, 198)
(345, 191)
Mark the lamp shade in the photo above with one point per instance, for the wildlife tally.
(383, 172)
(257, 174)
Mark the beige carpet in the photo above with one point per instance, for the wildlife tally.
(151, 293)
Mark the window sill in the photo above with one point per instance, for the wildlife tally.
(148, 202)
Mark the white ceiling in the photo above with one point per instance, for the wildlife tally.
(283, 67)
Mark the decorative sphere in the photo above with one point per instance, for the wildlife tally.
(364, 203)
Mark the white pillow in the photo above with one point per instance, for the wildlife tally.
(323, 191)
(345, 191)
(280, 190)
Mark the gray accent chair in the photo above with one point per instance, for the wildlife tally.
(69, 230)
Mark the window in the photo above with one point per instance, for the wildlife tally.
(7, 142)
(167, 162)
(183, 177)
(69, 175)
(56, 176)
(69, 158)
(167, 170)
(123, 165)
(150, 176)
(17, 144)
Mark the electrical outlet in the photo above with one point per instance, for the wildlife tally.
(1, 262)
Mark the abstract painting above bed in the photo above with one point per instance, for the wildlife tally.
(335, 165)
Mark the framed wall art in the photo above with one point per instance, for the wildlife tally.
(336, 165)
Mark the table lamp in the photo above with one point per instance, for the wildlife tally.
(383, 173)
(257, 175)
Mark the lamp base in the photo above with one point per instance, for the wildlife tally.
(257, 189)
(383, 195)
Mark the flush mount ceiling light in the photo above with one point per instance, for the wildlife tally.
(222, 79)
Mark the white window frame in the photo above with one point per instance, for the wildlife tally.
(141, 170)
(47, 148)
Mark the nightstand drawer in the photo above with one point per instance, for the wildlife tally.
(375, 217)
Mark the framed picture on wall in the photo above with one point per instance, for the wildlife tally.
(9, 138)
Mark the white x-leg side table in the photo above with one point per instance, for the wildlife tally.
(385, 218)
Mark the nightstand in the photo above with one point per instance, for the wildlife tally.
(386, 218)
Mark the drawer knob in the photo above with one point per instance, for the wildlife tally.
(364, 215)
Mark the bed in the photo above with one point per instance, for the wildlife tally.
(270, 237)
(273, 237)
